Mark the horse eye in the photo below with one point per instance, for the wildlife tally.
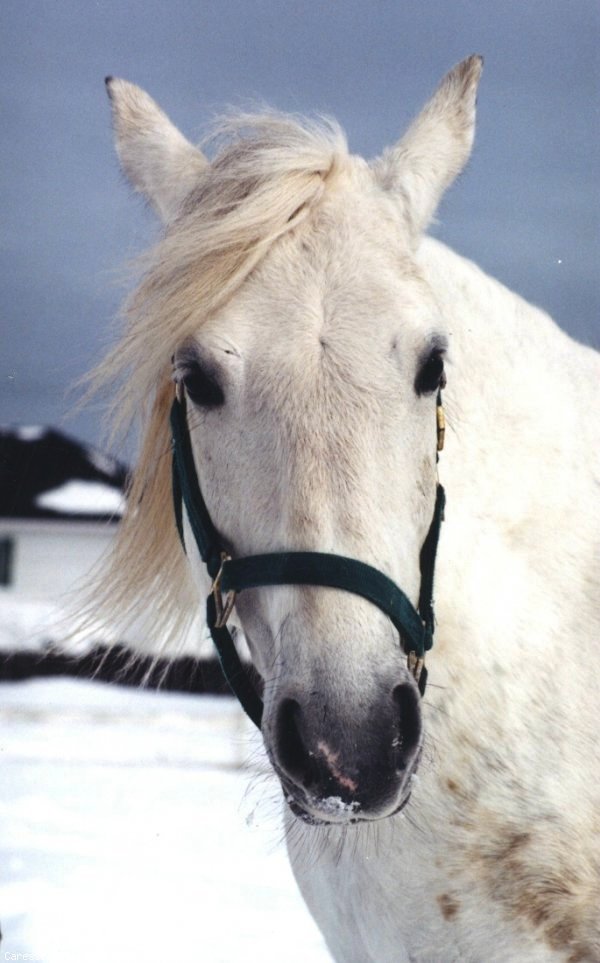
(431, 375)
(201, 386)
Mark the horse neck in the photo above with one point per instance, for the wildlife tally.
(518, 465)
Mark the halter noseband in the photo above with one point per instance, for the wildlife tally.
(230, 576)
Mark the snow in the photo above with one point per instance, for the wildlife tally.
(335, 804)
(103, 463)
(77, 497)
(39, 625)
(29, 432)
(26, 624)
(137, 825)
(44, 625)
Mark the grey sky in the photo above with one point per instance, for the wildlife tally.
(527, 209)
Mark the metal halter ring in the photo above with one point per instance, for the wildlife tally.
(223, 608)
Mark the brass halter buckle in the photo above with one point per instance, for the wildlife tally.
(415, 665)
(223, 607)
(441, 426)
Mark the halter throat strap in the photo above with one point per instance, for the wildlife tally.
(231, 576)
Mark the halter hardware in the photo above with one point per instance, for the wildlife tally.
(415, 664)
(440, 420)
(223, 607)
(231, 576)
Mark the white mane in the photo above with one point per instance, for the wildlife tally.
(269, 173)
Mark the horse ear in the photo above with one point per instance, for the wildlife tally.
(156, 158)
(436, 146)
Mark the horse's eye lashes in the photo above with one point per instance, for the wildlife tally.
(201, 385)
(430, 375)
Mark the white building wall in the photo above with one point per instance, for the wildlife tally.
(50, 558)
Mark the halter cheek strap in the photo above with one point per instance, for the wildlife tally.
(231, 576)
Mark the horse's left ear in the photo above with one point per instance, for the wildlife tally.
(435, 148)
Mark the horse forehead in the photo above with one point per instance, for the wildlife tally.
(348, 259)
(326, 346)
(331, 295)
(331, 309)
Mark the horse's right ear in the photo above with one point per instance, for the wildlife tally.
(156, 158)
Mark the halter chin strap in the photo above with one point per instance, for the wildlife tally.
(231, 576)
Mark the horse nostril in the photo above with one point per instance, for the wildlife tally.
(408, 722)
(291, 750)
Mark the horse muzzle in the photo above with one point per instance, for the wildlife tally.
(337, 769)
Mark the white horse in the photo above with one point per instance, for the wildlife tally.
(311, 325)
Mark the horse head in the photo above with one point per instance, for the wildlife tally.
(311, 352)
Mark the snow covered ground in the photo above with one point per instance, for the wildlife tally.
(142, 827)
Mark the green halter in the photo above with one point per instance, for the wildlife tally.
(230, 576)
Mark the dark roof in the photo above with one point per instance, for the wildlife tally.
(45, 474)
